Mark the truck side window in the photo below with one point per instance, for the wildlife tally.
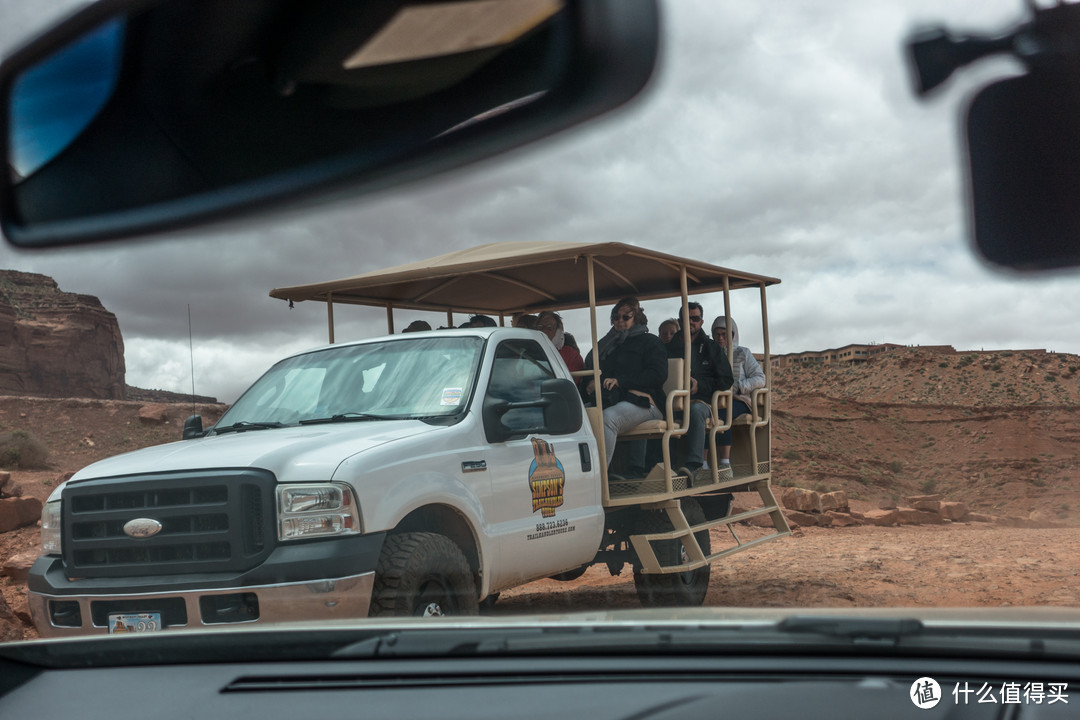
(519, 368)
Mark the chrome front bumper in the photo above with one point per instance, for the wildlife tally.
(333, 599)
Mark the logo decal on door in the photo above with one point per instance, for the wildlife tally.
(546, 479)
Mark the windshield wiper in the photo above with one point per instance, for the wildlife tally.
(245, 425)
(349, 417)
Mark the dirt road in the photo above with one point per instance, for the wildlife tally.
(956, 565)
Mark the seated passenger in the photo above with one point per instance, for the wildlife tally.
(748, 376)
(709, 371)
(526, 321)
(417, 326)
(633, 366)
(667, 330)
(551, 324)
(478, 321)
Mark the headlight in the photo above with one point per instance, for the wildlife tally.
(316, 510)
(50, 528)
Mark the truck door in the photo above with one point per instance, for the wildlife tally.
(545, 511)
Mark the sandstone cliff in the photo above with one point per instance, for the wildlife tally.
(55, 343)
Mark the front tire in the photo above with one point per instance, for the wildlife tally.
(686, 589)
(422, 574)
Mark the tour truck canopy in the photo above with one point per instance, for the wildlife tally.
(511, 277)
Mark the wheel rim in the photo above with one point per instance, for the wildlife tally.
(435, 599)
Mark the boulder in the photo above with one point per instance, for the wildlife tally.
(981, 517)
(9, 516)
(837, 500)
(927, 505)
(954, 510)
(29, 510)
(18, 512)
(801, 500)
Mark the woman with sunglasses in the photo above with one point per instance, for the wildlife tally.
(633, 367)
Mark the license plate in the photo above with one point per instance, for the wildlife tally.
(135, 623)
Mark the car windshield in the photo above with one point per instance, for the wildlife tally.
(912, 411)
(402, 379)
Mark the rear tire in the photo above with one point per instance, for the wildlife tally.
(422, 574)
(687, 589)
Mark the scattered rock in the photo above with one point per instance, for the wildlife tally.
(912, 516)
(155, 414)
(5, 478)
(802, 519)
(927, 505)
(839, 519)
(17, 567)
(913, 499)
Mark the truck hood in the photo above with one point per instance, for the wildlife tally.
(311, 452)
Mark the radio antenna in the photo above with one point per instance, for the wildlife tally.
(191, 353)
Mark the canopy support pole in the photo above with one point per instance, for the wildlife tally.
(389, 319)
(330, 315)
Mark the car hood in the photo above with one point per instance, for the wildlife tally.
(310, 452)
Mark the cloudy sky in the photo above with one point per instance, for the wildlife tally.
(774, 139)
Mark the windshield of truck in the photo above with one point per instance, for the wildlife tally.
(398, 379)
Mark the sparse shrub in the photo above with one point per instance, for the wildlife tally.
(943, 364)
(1050, 377)
(1038, 482)
(995, 384)
(996, 367)
(928, 485)
(1007, 353)
(791, 455)
(896, 466)
(20, 451)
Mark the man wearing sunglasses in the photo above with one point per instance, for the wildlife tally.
(709, 371)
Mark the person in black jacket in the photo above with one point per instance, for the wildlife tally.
(633, 366)
(709, 371)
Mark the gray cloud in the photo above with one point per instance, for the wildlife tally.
(775, 139)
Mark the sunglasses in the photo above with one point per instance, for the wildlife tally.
(626, 316)
(695, 318)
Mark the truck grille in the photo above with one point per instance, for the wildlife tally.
(210, 521)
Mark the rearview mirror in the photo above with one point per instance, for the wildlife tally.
(1023, 138)
(136, 116)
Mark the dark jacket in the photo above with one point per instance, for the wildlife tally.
(708, 364)
(639, 363)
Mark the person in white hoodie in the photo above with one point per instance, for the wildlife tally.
(748, 377)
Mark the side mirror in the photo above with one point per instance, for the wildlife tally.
(193, 428)
(138, 116)
(1023, 143)
(561, 412)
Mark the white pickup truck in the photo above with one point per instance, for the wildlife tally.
(412, 474)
